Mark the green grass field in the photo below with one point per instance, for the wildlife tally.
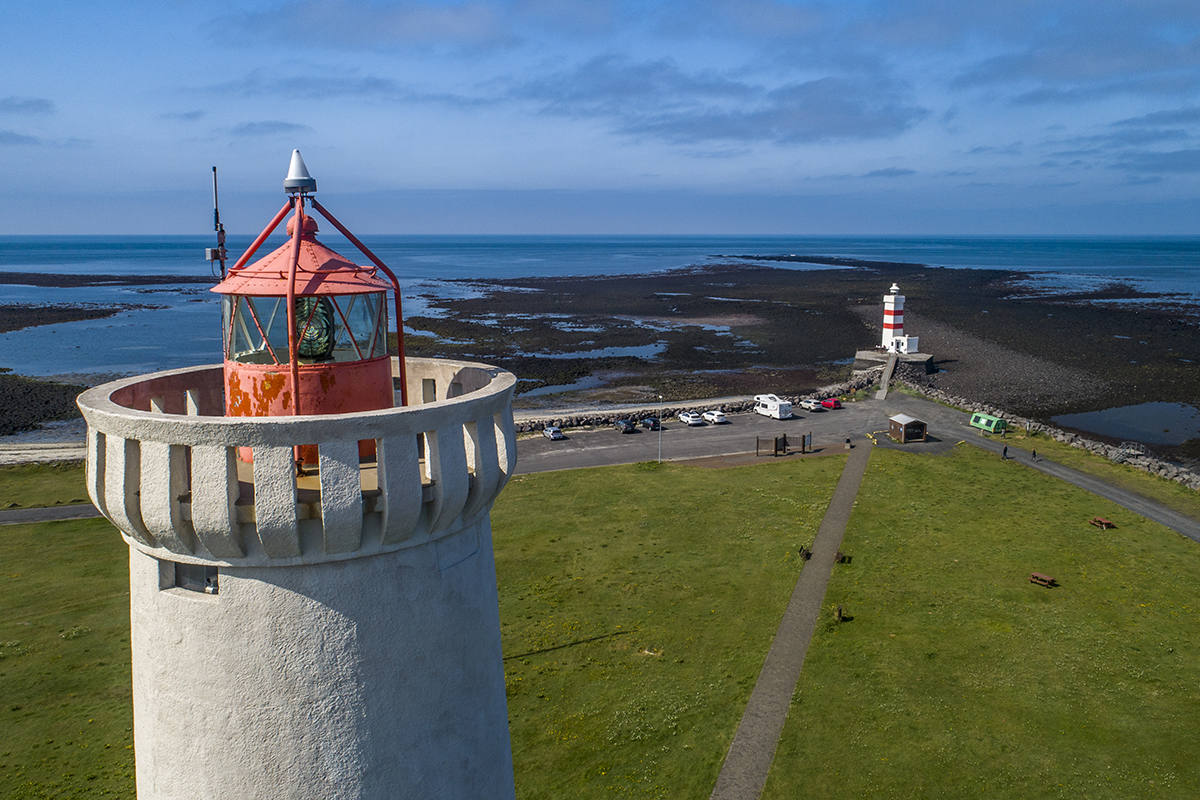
(38, 485)
(637, 604)
(959, 678)
(65, 700)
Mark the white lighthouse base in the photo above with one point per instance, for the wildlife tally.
(373, 677)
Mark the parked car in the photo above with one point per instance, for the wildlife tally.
(551, 432)
(690, 418)
(625, 426)
(714, 416)
(831, 402)
(811, 405)
(652, 423)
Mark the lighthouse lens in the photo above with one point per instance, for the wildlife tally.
(314, 317)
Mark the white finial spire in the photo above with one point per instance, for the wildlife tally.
(298, 178)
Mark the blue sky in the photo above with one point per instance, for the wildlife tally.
(557, 116)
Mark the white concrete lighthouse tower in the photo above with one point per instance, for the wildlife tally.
(312, 592)
(894, 340)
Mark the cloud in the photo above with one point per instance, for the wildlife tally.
(325, 87)
(25, 105)
(659, 100)
(1057, 95)
(1013, 149)
(1175, 161)
(183, 116)
(612, 84)
(1179, 116)
(14, 138)
(356, 24)
(268, 128)
(890, 172)
(574, 17)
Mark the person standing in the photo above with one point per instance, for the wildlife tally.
(1004, 455)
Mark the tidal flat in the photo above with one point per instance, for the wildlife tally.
(745, 326)
(786, 324)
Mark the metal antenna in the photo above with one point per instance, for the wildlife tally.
(217, 253)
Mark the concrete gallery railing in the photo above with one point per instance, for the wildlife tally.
(162, 465)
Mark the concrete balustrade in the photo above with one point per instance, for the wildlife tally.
(162, 466)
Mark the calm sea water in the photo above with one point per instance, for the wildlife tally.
(185, 331)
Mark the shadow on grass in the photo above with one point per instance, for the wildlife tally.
(568, 644)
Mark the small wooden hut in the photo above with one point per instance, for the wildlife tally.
(906, 429)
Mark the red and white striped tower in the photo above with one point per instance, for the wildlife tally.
(893, 317)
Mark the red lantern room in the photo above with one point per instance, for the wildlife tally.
(305, 329)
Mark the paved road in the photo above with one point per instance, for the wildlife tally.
(18, 516)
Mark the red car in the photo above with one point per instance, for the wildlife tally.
(831, 402)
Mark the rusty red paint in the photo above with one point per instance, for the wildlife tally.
(262, 390)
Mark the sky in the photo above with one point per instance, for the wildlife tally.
(605, 116)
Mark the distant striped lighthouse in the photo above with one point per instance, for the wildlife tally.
(894, 340)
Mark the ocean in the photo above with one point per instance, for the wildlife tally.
(180, 325)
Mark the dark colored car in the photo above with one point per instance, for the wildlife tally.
(651, 422)
(625, 426)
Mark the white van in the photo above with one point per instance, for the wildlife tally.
(771, 406)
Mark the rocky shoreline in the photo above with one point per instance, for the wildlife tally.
(1135, 456)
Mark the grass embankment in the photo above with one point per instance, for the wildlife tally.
(65, 700)
(957, 677)
(637, 607)
(39, 485)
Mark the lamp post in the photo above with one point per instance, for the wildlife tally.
(660, 424)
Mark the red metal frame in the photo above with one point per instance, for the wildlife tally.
(395, 288)
(297, 231)
(262, 237)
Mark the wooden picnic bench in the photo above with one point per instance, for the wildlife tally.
(1102, 523)
(1042, 580)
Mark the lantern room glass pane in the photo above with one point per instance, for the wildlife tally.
(328, 328)
(250, 318)
(360, 312)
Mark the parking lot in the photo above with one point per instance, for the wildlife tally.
(606, 446)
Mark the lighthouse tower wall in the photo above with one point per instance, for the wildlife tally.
(365, 678)
(893, 319)
(352, 647)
